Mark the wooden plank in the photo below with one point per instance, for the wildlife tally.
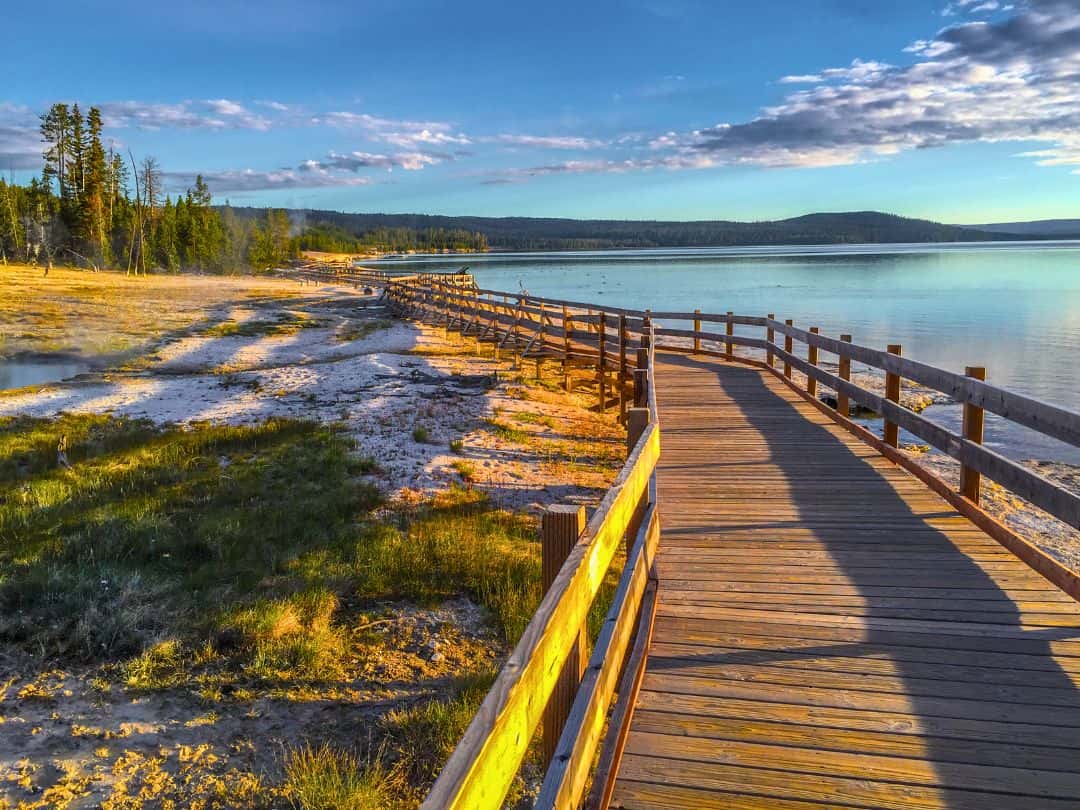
(771, 785)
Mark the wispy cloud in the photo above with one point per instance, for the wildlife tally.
(243, 180)
(1017, 80)
(211, 114)
(544, 141)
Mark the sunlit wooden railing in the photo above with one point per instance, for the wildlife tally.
(612, 350)
(546, 680)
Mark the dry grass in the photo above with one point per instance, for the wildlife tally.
(108, 313)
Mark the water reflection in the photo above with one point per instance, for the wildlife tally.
(20, 373)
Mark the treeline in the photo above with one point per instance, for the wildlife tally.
(94, 207)
(527, 233)
(333, 238)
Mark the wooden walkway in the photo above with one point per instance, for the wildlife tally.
(829, 632)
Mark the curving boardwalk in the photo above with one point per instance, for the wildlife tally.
(829, 632)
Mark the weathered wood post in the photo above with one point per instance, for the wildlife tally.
(788, 347)
(728, 345)
(641, 378)
(601, 368)
(892, 393)
(541, 338)
(697, 329)
(770, 337)
(560, 529)
(973, 432)
(567, 325)
(812, 358)
(622, 368)
(843, 404)
(637, 421)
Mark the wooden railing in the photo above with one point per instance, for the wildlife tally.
(546, 681)
(612, 349)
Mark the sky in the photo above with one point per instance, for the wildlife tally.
(965, 111)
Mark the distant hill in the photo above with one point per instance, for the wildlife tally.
(529, 233)
(1040, 229)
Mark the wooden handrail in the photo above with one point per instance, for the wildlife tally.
(488, 757)
(485, 762)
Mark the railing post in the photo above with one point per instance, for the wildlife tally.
(973, 432)
(637, 421)
(622, 368)
(770, 336)
(728, 346)
(843, 404)
(601, 368)
(560, 529)
(812, 358)
(892, 393)
(697, 328)
(567, 325)
(788, 347)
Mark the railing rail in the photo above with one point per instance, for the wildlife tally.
(483, 766)
(614, 348)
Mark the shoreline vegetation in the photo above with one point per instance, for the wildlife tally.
(270, 550)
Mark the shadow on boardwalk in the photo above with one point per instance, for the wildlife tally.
(896, 656)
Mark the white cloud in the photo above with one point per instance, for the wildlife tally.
(212, 114)
(1014, 80)
(240, 180)
(544, 141)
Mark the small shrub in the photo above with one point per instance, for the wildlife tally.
(465, 469)
(327, 779)
(421, 435)
(457, 445)
(508, 432)
(159, 667)
(293, 638)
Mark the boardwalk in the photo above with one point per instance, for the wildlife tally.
(831, 633)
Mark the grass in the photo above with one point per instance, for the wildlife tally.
(109, 557)
(286, 323)
(421, 435)
(324, 778)
(411, 745)
(530, 418)
(420, 738)
(508, 432)
(159, 541)
(465, 469)
(358, 330)
(457, 445)
(104, 313)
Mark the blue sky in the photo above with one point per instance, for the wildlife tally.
(966, 111)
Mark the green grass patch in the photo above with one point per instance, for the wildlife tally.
(151, 525)
(324, 778)
(421, 434)
(465, 469)
(530, 418)
(507, 432)
(287, 323)
(358, 330)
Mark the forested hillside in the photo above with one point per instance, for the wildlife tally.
(526, 233)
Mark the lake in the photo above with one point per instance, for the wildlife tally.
(1011, 307)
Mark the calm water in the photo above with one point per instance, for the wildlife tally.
(17, 373)
(1013, 308)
